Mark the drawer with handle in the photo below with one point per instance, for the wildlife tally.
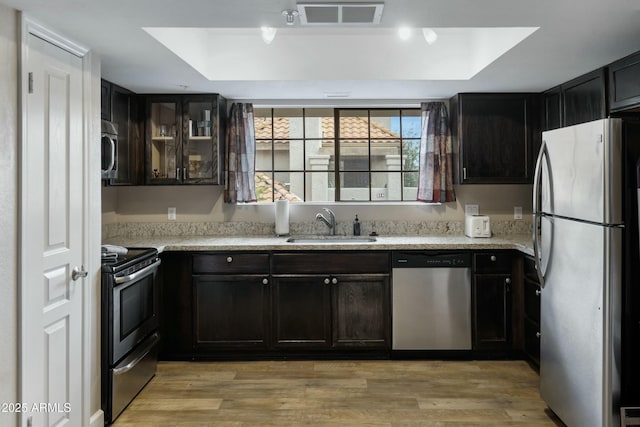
(492, 263)
(231, 262)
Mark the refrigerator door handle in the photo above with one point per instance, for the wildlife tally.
(537, 215)
(537, 252)
(543, 154)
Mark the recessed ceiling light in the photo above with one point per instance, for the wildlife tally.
(404, 33)
(268, 34)
(429, 35)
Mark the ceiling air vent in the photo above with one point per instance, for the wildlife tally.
(340, 13)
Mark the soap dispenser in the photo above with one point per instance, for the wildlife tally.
(356, 226)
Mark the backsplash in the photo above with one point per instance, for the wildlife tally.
(244, 228)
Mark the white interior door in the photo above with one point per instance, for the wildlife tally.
(52, 238)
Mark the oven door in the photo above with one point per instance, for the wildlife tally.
(135, 309)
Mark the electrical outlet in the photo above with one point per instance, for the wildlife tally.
(171, 214)
(517, 212)
(471, 209)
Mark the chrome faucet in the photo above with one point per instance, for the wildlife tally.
(331, 223)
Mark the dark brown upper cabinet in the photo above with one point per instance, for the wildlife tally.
(184, 135)
(579, 100)
(552, 108)
(584, 98)
(120, 106)
(496, 134)
(105, 100)
(624, 84)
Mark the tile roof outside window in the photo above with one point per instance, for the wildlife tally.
(350, 127)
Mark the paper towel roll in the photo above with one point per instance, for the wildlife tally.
(282, 217)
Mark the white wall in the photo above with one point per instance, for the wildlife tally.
(8, 210)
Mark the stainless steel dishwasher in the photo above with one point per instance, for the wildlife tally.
(431, 301)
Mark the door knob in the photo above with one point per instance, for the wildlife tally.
(76, 273)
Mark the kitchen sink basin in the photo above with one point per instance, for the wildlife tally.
(331, 239)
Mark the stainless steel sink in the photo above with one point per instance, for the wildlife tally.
(331, 239)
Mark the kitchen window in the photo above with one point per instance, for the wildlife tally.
(337, 155)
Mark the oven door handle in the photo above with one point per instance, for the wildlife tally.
(129, 366)
(138, 274)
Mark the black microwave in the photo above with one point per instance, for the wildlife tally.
(109, 143)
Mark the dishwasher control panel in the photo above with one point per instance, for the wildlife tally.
(422, 259)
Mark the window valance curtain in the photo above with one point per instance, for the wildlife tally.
(435, 184)
(240, 155)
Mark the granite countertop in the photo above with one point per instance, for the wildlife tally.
(242, 243)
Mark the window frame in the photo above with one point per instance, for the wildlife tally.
(337, 170)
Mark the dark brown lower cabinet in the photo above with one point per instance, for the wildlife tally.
(301, 313)
(339, 311)
(532, 299)
(492, 312)
(331, 300)
(230, 312)
(175, 323)
(360, 311)
(492, 301)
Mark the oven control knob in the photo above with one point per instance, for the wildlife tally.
(229, 259)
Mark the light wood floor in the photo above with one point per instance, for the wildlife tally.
(340, 393)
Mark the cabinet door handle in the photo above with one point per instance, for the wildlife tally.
(178, 174)
(493, 258)
(334, 281)
(184, 174)
(538, 292)
(538, 335)
(265, 281)
(507, 280)
(464, 173)
(229, 259)
(327, 281)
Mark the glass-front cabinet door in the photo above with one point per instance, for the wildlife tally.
(183, 137)
(163, 147)
(200, 135)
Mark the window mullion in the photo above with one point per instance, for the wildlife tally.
(336, 134)
(401, 158)
(369, 152)
(273, 156)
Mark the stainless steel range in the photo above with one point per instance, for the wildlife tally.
(129, 327)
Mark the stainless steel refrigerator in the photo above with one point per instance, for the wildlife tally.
(578, 246)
